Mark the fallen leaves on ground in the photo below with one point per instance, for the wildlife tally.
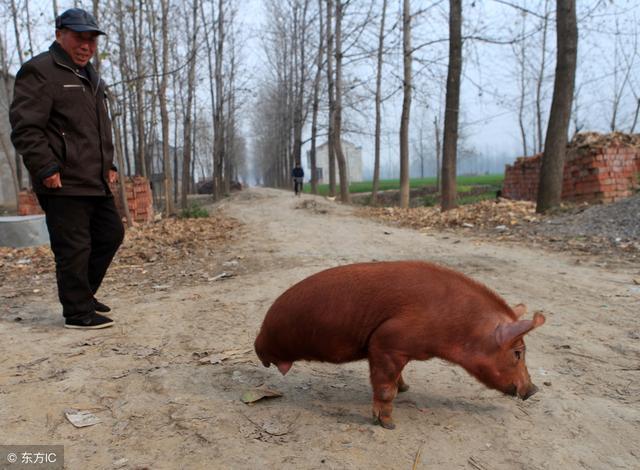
(160, 253)
(484, 214)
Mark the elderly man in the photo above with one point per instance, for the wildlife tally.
(61, 127)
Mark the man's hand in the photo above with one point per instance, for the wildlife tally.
(52, 181)
(113, 176)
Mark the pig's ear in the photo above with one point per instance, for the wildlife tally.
(520, 310)
(507, 333)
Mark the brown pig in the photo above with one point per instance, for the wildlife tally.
(391, 313)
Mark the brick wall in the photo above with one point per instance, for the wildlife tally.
(139, 199)
(521, 179)
(592, 173)
(28, 204)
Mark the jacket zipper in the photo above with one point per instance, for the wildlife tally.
(95, 92)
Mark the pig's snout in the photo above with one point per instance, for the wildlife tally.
(532, 390)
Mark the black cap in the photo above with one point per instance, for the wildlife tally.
(78, 20)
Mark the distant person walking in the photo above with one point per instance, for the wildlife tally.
(298, 178)
(61, 127)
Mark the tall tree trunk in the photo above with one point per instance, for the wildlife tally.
(337, 115)
(635, 117)
(378, 99)
(229, 122)
(96, 58)
(299, 83)
(330, 89)
(316, 102)
(16, 29)
(212, 92)
(164, 111)
(176, 167)
(115, 112)
(450, 141)
(126, 76)
(13, 159)
(406, 106)
(436, 126)
(218, 125)
(141, 153)
(541, 73)
(555, 146)
(29, 38)
(522, 63)
(186, 146)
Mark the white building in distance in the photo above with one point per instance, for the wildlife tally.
(353, 155)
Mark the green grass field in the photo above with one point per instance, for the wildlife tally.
(465, 185)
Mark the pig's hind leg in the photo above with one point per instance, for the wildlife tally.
(402, 385)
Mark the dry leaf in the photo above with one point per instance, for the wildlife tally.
(256, 394)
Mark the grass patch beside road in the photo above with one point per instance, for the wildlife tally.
(470, 188)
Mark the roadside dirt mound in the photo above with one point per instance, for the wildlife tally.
(618, 222)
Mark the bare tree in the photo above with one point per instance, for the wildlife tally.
(623, 63)
(300, 25)
(550, 188)
(188, 112)
(218, 124)
(450, 141)
(331, 98)
(316, 100)
(115, 114)
(337, 114)
(378, 102)
(17, 167)
(139, 84)
(162, 81)
(436, 129)
(540, 79)
(520, 50)
(406, 105)
(96, 14)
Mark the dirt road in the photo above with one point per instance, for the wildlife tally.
(160, 407)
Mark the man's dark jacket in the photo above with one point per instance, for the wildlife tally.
(60, 122)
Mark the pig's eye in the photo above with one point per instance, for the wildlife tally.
(517, 354)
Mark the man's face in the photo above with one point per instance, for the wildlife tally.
(79, 46)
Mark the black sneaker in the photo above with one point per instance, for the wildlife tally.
(94, 322)
(100, 307)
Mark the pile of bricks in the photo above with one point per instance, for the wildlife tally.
(139, 199)
(28, 203)
(596, 171)
(138, 193)
(522, 178)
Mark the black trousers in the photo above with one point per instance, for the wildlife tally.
(85, 233)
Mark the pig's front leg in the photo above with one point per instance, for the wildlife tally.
(385, 370)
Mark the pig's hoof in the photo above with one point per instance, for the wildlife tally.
(403, 388)
(385, 423)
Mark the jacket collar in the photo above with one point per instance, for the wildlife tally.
(61, 57)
